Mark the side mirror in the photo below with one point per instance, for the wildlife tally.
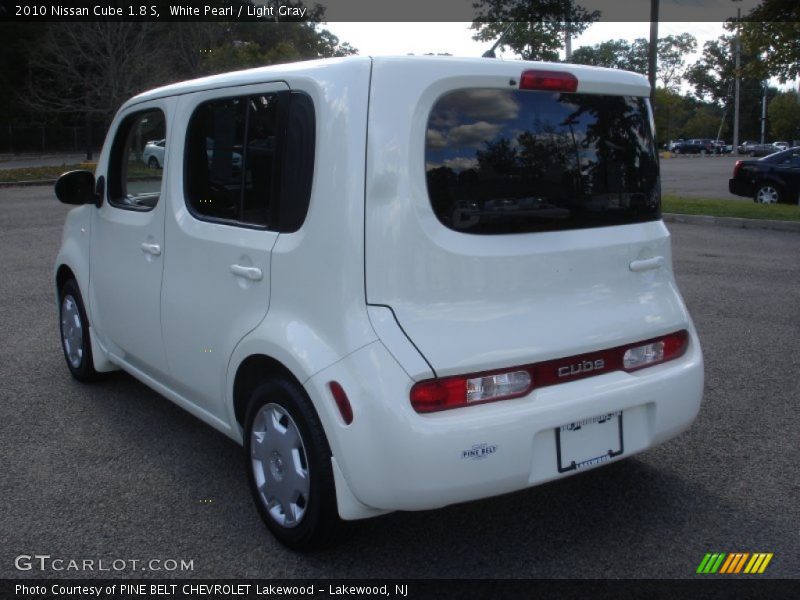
(76, 187)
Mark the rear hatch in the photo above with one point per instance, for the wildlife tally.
(506, 226)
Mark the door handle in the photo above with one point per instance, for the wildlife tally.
(151, 248)
(251, 273)
(647, 264)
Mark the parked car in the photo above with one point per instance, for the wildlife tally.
(673, 143)
(447, 320)
(781, 145)
(774, 178)
(721, 147)
(757, 149)
(696, 146)
(153, 154)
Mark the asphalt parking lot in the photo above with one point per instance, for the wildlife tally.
(114, 471)
(696, 176)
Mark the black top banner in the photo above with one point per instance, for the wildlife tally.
(690, 11)
(463, 589)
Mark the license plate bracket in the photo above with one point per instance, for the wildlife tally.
(589, 442)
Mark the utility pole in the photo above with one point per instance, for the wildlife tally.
(652, 56)
(737, 51)
(567, 44)
(764, 112)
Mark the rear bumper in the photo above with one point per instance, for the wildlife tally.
(392, 458)
(739, 187)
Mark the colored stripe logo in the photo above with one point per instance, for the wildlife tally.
(734, 563)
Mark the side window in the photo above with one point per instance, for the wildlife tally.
(213, 175)
(250, 160)
(137, 160)
(298, 165)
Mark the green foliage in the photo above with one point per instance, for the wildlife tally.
(771, 31)
(537, 29)
(713, 75)
(90, 68)
(671, 112)
(672, 50)
(704, 122)
(614, 54)
(784, 117)
(619, 54)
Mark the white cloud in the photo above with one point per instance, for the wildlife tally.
(474, 134)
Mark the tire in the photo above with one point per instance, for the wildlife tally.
(74, 328)
(751, 153)
(676, 151)
(767, 193)
(283, 432)
(153, 162)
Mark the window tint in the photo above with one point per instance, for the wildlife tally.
(298, 166)
(248, 160)
(511, 161)
(137, 160)
(214, 158)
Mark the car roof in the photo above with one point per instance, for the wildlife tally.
(624, 81)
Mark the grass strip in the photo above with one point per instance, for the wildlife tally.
(743, 209)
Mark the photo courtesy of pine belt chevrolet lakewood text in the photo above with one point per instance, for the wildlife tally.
(399, 283)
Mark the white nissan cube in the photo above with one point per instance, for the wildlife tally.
(399, 283)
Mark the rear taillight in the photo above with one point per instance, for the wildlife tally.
(451, 392)
(736, 168)
(434, 395)
(553, 81)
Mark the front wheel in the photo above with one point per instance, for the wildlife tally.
(75, 340)
(767, 193)
(289, 467)
(153, 162)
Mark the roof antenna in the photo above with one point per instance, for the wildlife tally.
(490, 52)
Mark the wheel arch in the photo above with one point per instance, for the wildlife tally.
(252, 372)
(63, 274)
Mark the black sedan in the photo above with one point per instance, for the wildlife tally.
(774, 178)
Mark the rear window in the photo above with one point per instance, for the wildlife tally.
(511, 161)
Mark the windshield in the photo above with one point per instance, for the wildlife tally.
(511, 161)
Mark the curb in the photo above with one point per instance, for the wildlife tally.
(733, 222)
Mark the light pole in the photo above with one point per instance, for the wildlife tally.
(652, 55)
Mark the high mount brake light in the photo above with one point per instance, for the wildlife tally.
(433, 395)
(551, 81)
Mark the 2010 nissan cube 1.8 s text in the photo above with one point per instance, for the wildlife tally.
(400, 283)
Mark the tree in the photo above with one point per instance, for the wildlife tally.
(713, 76)
(614, 54)
(91, 68)
(771, 31)
(670, 111)
(705, 122)
(672, 50)
(537, 27)
(784, 117)
(619, 54)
